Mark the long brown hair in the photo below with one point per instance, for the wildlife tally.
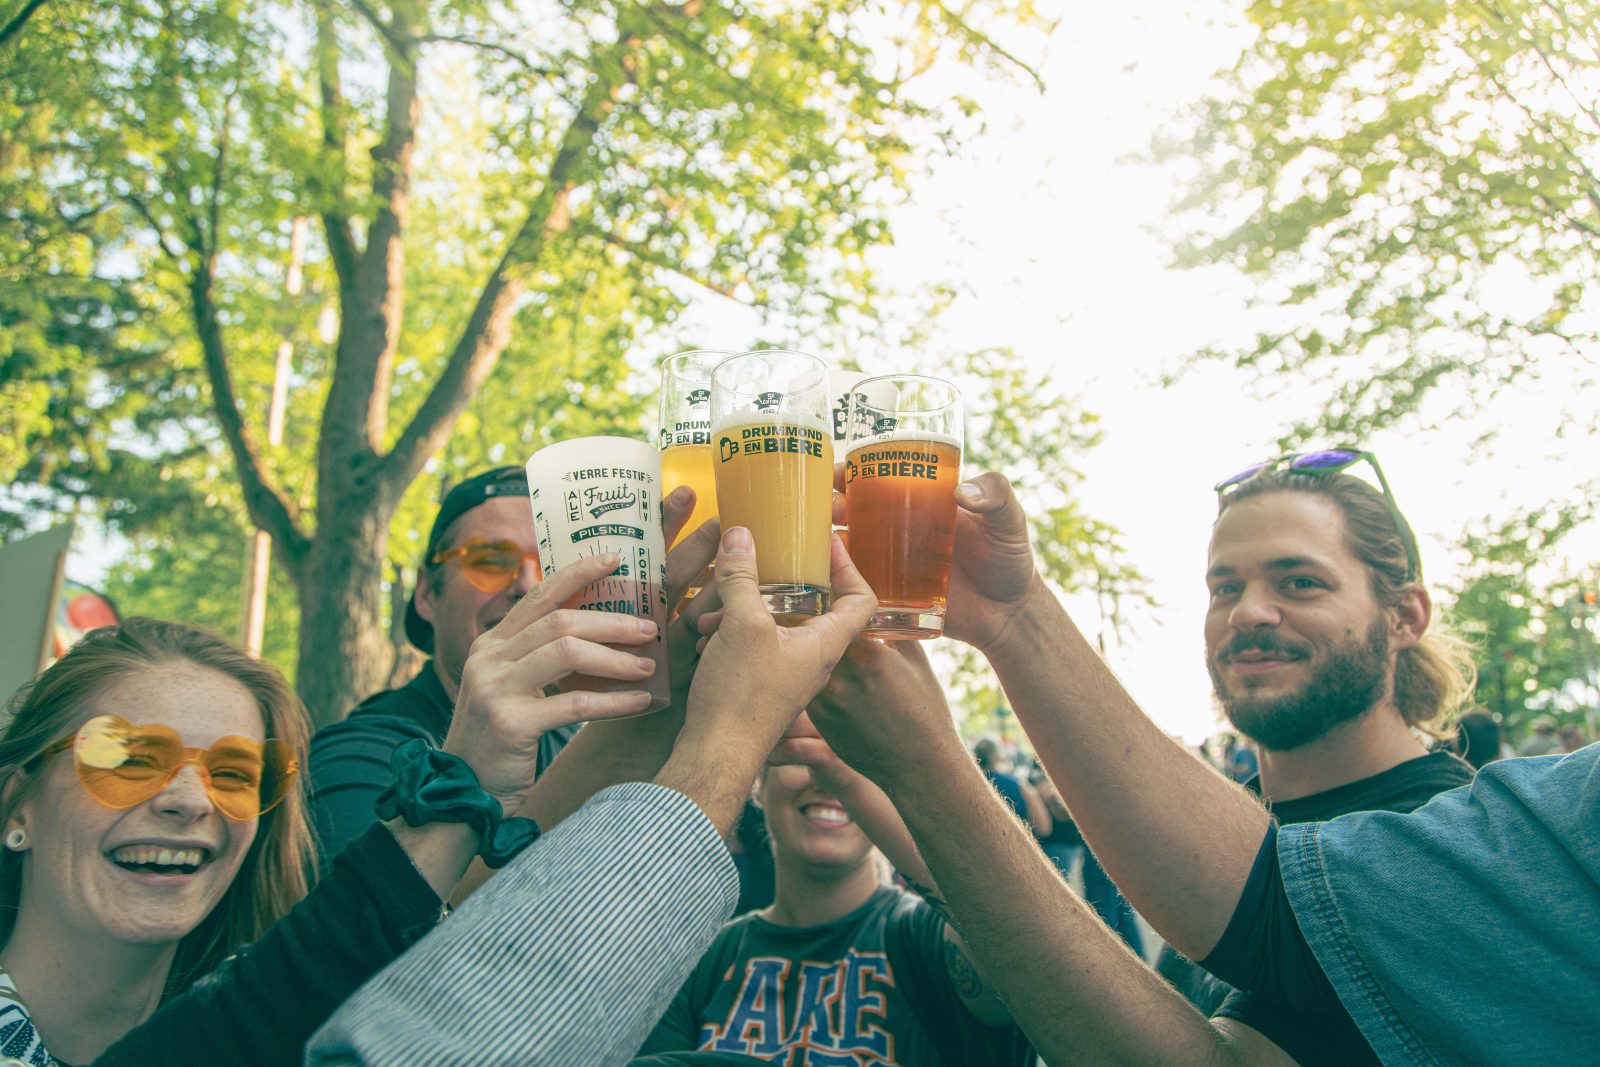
(274, 873)
(1431, 678)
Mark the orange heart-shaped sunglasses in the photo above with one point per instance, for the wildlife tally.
(122, 764)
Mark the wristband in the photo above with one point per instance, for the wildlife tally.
(431, 786)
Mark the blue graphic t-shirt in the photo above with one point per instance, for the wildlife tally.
(868, 990)
(19, 1041)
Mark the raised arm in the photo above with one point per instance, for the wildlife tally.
(633, 749)
(1175, 836)
(1070, 983)
(733, 724)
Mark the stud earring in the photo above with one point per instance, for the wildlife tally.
(16, 839)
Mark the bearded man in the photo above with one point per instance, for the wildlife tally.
(1320, 652)
(1319, 640)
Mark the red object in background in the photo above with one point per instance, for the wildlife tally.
(80, 610)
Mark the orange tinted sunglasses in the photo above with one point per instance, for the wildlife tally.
(121, 765)
(491, 566)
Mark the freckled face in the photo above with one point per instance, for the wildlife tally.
(90, 870)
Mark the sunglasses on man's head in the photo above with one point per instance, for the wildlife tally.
(1332, 461)
(122, 764)
(490, 566)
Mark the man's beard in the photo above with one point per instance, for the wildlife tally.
(1342, 689)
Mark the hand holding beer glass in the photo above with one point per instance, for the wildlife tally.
(902, 465)
(773, 452)
(595, 495)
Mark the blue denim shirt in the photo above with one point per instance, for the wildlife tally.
(1467, 932)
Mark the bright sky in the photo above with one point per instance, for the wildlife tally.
(1051, 229)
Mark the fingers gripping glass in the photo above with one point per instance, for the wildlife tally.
(122, 764)
(490, 566)
(1330, 461)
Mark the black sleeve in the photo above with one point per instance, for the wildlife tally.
(347, 769)
(915, 942)
(1263, 951)
(261, 1006)
(1312, 1038)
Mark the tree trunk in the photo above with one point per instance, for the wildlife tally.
(406, 661)
(345, 653)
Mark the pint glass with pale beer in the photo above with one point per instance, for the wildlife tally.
(686, 434)
(902, 465)
(773, 452)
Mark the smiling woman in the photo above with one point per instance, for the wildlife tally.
(153, 823)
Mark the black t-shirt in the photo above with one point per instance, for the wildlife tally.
(1314, 1037)
(869, 988)
(1404, 787)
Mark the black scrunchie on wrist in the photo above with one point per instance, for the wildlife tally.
(432, 786)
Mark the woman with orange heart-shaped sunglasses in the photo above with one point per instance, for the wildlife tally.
(151, 822)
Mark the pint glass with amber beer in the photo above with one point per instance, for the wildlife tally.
(902, 465)
(686, 433)
(772, 447)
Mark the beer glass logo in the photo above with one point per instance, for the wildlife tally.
(666, 437)
(769, 401)
(727, 448)
(850, 471)
(884, 424)
(600, 501)
(699, 396)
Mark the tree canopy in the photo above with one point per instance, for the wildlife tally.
(507, 199)
(1534, 624)
(1416, 188)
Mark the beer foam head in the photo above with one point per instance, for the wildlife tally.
(906, 437)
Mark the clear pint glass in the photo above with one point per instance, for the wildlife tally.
(773, 452)
(686, 432)
(842, 385)
(902, 465)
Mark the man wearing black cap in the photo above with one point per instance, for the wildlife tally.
(478, 563)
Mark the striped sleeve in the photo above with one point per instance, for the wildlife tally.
(568, 956)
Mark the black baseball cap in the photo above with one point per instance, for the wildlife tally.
(501, 481)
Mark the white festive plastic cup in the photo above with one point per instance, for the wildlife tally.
(593, 495)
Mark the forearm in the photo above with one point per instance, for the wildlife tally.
(1072, 985)
(441, 852)
(1175, 836)
(875, 813)
(715, 772)
(1039, 819)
